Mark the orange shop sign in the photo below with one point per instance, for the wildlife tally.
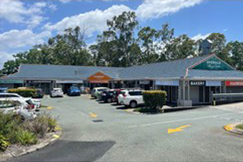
(99, 77)
(234, 83)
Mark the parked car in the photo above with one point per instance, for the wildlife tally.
(39, 93)
(16, 107)
(116, 93)
(96, 91)
(57, 92)
(73, 91)
(3, 90)
(107, 96)
(15, 96)
(133, 99)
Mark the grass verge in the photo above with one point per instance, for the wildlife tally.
(240, 126)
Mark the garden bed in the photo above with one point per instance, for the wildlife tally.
(19, 137)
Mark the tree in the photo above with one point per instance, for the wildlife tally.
(218, 42)
(180, 48)
(148, 38)
(234, 53)
(123, 26)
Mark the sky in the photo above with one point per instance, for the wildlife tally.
(26, 23)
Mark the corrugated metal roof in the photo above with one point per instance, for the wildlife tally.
(169, 69)
(61, 72)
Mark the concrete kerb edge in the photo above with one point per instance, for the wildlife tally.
(6, 156)
(232, 129)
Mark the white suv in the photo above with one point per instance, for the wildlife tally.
(133, 99)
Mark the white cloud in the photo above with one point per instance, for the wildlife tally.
(15, 11)
(158, 8)
(200, 36)
(4, 56)
(93, 21)
(15, 39)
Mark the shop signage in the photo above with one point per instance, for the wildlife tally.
(197, 83)
(39, 81)
(99, 77)
(144, 82)
(69, 81)
(210, 83)
(11, 81)
(234, 83)
(167, 82)
(213, 64)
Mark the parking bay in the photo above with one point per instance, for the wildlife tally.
(196, 135)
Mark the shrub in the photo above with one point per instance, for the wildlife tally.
(154, 100)
(25, 137)
(3, 143)
(8, 122)
(41, 125)
(24, 92)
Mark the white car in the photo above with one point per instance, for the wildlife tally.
(97, 91)
(16, 107)
(15, 96)
(57, 92)
(133, 99)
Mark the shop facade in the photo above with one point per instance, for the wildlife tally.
(187, 82)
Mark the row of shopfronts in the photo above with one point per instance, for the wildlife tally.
(202, 78)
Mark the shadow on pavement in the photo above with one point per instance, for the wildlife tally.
(68, 151)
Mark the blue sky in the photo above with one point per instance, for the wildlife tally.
(26, 23)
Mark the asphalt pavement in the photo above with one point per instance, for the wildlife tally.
(94, 131)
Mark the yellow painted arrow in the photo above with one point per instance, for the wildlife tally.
(179, 129)
(228, 127)
(49, 108)
(93, 115)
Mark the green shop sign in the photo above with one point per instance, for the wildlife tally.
(11, 81)
(213, 64)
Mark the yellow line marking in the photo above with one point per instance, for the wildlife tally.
(55, 136)
(93, 115)
(228, 127)
(179, 129)
(49, 108)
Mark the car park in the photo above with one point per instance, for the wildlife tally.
(57, 92)
(15, 96)
(73, 91)
(18, 108)
(107, 96)
(133, 99)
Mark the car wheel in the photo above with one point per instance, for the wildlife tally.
(109, 100)
(133, 104)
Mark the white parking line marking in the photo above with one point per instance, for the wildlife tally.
(180, 120)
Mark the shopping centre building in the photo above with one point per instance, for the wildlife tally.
(187, 81)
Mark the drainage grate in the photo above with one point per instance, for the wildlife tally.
(97, 121)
